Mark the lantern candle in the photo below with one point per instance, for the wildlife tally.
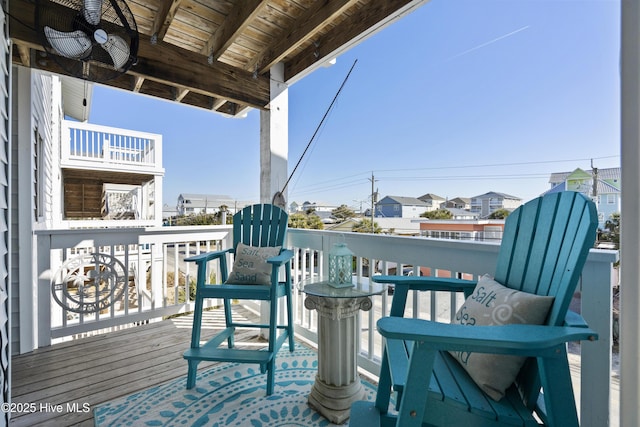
(340, 266)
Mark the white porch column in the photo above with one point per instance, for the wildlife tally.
(274, 137)
(28, 296)
(630, 221)
(274, 148)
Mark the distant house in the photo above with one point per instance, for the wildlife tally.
(606, 194)
(168, 211)
(399, 226)
(325, 217)
(462, 214)
(294, 207)
(486, 204)
(480, 230)
(400, 207)
(192, 204)
(318, 206)
(433, 202)
(457, 203)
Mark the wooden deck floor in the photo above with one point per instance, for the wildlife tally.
(94, 370)
(101, 368)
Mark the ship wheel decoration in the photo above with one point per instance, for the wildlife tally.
(89, 283)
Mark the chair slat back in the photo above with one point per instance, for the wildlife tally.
(545, 245)
(260, 225)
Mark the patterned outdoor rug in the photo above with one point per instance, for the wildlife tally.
(227, 394)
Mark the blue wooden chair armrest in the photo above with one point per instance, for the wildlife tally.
(404, 284)
(524, 340)
(284, 256)
(574, 319)
(423, 283)
(208, 256)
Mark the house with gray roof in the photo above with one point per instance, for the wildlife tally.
(433, 201)
(487, 203)
(457, 203)
(400, 207)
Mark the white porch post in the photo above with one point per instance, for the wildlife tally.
(274, 137)
(28, 296)
(630, 221)
(274, 147)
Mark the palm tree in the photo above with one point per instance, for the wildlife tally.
(342, 213)
(437, 214)
(365, 226)
(499, 214)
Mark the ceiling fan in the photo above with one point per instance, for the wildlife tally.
(94, 40)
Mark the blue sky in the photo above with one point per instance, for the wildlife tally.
(458, 98)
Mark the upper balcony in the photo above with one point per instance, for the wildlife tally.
(110, 177)
(102, 148)
(155, 282)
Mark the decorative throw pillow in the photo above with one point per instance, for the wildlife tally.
(250, 266)
(494, 304)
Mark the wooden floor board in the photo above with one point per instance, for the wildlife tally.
(101, 368)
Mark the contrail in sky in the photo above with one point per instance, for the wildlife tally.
(488, 43)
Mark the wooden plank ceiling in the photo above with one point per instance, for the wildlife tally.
(216, 54)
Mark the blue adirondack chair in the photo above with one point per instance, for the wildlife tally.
(257, 226)
(544, 248)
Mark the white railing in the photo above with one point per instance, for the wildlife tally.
(89, 145)
(158, 252)
(156, 281)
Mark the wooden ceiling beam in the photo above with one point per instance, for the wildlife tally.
(24, 53)
(180, 94)
(137, 85)
(165, 63)
(318, 16)
(237, 20)
(164, 18)
(217, 103)
(168, 64)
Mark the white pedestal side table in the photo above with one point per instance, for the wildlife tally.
(337, 383)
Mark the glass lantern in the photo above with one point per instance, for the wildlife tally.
(340, 266)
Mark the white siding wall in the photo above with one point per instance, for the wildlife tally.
(45, 116)
(15, 290)
(36, 113)
(412, 211)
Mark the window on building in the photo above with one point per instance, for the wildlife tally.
(611, 199)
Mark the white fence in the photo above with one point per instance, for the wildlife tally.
(158, 284)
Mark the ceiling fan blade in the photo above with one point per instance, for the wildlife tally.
(92, 11)
(118, 49)
(74, 44)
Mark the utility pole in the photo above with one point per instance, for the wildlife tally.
(594, 191)
(373, 202)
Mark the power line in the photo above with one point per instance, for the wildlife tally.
(348, 181)
(500, 164)
(449, 177)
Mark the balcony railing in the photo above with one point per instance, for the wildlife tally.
(155, 281)
(91, 146)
